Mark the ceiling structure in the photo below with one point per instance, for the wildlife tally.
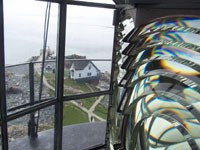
(143, 11)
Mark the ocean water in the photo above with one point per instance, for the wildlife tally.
(89, 31)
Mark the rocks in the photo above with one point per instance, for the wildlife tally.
(105, 101)
(18, 93)
(17, 131)
(17, 88)
(13, 90)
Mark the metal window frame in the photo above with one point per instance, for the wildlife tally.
(81, 3)
(60, 98)
(3, 110)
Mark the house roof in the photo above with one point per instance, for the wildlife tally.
(81, 64)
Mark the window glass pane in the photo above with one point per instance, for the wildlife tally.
(86, 119)
(85, 110)
(89, 79)
(24, 29)
(17, 85)
(89, 44)
(18, 131)
(48, 88)
(89, 32)
(24, 43)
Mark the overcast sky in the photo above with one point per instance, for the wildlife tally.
(89, 30)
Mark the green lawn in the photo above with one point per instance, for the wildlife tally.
(67, 92)
(88, 102)
(36, 77)
(51, 93)
(77, 85)
(73, 115)
(101, 111)
(50, 78)
(70, 83)
(95, 89)
(66, 73)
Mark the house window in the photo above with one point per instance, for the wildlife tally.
(89, 74)
(79, 74)
(89, 67)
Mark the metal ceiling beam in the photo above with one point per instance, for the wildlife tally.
(91, 4)
(171, 6)
(162, 1)
(82, 3)
(166, 3)
(53, 1)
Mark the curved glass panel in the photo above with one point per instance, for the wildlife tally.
(173, 23)
(162, 108)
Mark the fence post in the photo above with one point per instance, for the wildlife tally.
(31, 124)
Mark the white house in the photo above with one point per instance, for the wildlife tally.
(84, 70)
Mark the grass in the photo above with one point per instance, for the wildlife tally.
(50, 78)
(68, 82)
(67, 92)
(95, 89)
(101, 111)
(77, 85)
(66, 73)
(51, 93)
(88, 102)
(73, 115)
(37, 77)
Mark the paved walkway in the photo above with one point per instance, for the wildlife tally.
(87, 111)
(92, 108)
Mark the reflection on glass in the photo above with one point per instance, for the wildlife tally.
(162, 73)
(174, 23)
